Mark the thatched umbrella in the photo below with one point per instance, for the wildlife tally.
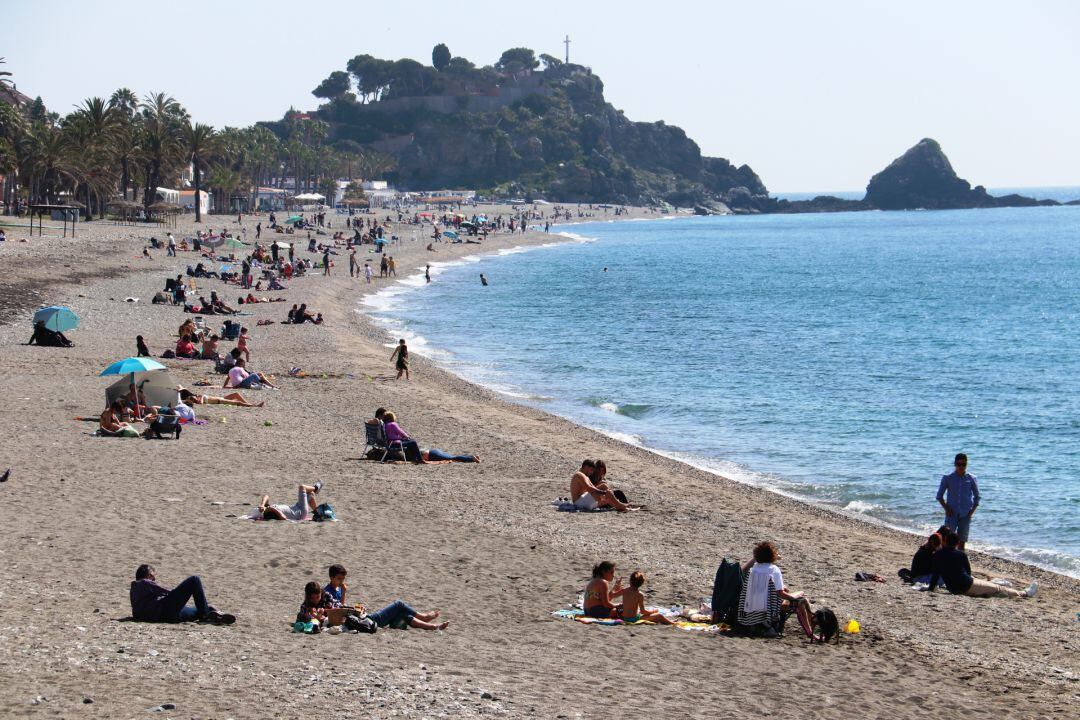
(128, 210)
(167, 209)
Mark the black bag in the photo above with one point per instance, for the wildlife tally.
(825, 626)
(726, 590)
(165, 425)
(361, 624)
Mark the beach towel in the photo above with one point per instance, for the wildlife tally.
(565, 505)
(578, 615)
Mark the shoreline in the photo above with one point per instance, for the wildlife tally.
(480, 542)
(521, 397)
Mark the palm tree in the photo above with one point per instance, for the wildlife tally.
(199, 142)
(50, 161)
(92, 128)
(124, 103)
(4, 75)
(160, 140)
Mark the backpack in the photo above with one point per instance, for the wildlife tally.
(324, 512)
(825, 626)
(361, 624)
(726, 589)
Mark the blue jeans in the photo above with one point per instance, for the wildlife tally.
(437, 454)
(174, 607)
(959, 525)
(393, 612)
(246, 383)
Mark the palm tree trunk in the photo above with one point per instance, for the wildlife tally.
(198, 196)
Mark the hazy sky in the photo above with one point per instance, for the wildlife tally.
(812, 95)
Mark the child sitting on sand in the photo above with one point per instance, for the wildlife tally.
(633, 603)
(313, 609)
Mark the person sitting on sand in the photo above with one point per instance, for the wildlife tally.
(114, 423)
(151, 602)
(765, 601)
(241, 379)
(397, 614)
(633, 603)
(922, 564)
(599, 593)
(234, 399)
(188, 328)
(302, 315)
(185, 348)
(436, 456)
(394, 433)
(303, 509)
(48, 338)
(210, 348)
(586, 495)
(219, 305)
(315, 608)
(950, 564)
(135, 401)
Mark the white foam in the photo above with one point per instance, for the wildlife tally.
(860, 506)
(609, 406)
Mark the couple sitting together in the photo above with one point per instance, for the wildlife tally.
(327, 607)
(391, 434)
(589, 491)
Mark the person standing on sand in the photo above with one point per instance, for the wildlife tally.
(427, 273)
(391, 267)
(258, 232)
(958, 493)
(352, 263)
(172, 246)
(368, 273)
(401, 353)
(326, 262)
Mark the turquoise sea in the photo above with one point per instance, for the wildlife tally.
(841, 358)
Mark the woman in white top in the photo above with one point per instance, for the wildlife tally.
(765, 600)
(239, 377)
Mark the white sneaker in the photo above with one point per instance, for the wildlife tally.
(1032, 589)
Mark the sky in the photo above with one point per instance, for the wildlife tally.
(815, 96)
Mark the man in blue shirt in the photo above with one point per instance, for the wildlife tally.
(958, 493)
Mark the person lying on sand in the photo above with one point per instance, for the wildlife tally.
(587, 495)
(765, 600)
(599, 593)
(436, 456)
(302, 510)
(951, 565)
(234, 399)
(633, 603)
(240, 378)
(151, 602)
(397, 614)
(114, 421)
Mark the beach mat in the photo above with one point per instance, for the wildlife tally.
(578, 615)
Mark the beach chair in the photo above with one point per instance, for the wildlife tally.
(230, 330)
(375, 439)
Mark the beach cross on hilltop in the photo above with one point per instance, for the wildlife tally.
(566, 42)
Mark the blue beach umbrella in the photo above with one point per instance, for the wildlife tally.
(450, 234)
(57, 318)
(132, 365)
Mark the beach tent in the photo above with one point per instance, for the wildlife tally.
(294, 218)
(157, 386)
(133, 371)
(57, 318)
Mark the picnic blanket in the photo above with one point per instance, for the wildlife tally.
(578, 615)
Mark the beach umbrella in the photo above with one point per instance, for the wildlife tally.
(131, 367)
(450, 234)
(282, 245)
(231, 244)
(57, 318)
(294, 218)
(157, 386)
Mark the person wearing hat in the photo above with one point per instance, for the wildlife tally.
(958, 493)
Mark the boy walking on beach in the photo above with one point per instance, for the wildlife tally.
(958, 493)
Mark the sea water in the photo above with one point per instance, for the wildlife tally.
(841, 358)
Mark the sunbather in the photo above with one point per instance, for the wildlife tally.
(599, 593)
(951, 566)
(151, 602)
(114, 421)
(763, 586)
(234, 399)
(435, 455)
(240, 378)
(587, 495)
(397, 614)
(633, 603)
(303, 508)
(395, 433)
(185, 348)
(210, 348)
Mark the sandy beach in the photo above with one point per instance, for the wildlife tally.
(480, 542)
